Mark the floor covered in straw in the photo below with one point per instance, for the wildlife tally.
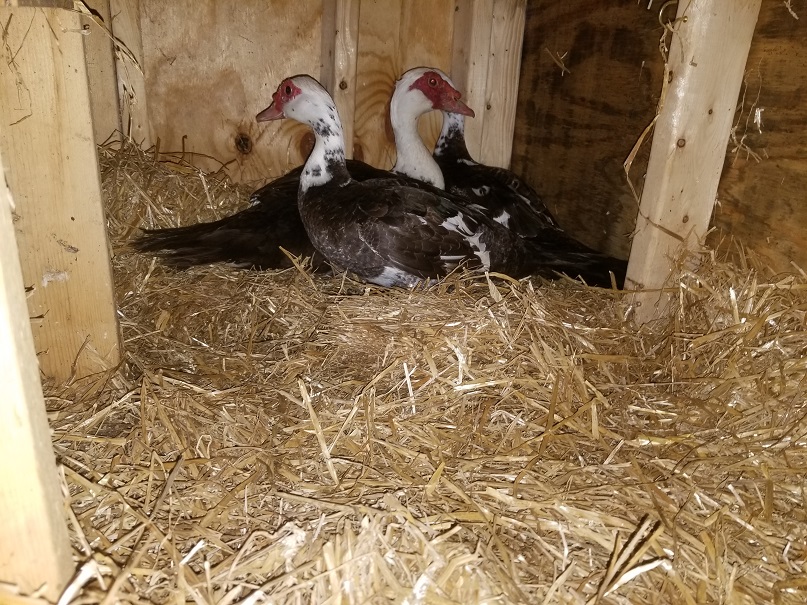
(280, 437)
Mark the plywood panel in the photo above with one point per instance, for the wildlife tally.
(575, 126)
(395, 36)
(210, 68)
(426, 36)
(46, 135)
(761, 200)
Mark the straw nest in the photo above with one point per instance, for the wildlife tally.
(285, 438)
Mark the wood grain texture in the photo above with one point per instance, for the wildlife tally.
(46, 137)
(133, 97)
(211, 67)
(469, 63)
(395, 36)
(34, 546)
(486, 62)
(340, 39)
(761, 201)
(101, 72)
(504, 64)
(575, 128)
(705, 69)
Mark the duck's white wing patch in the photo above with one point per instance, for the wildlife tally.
(503, 218)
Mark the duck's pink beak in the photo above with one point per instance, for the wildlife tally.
(273, 112)
(455, 105)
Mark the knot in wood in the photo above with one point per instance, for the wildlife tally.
(243, 143)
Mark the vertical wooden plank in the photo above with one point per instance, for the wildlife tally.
(488, 36)
(101, 72)
(340, 38)
(129, 65)
(46, 137)
(34, 546)
(469, 64)
(707, 58)
(501, 90)
(426, 34)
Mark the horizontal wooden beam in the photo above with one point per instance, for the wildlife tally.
(708, 52)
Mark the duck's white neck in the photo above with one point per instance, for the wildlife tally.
(326, 162)
(413, 159)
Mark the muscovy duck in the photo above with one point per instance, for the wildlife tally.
(503, 196)
(392, 230)
(253, 236)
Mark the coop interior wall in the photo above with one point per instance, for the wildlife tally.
(590, 82)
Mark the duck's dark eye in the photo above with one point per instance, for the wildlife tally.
(287, 90)
(432, 82)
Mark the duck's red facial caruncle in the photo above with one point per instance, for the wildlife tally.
(442, 95)
(287, 91)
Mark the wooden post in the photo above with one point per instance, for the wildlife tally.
(46, 136)
(129, 68)
(34, 546)
(340, 37)
(101, 73)
(705, 71)
(488, 36)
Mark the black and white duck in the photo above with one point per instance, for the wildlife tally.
(507, 199)
(392, 230)
(254, 236)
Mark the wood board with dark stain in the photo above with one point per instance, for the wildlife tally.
(761, 198)
(575, 128)
(590, 82)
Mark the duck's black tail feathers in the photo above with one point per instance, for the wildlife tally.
(251, 238)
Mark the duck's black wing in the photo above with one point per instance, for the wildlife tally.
(251, 238)
(499, 193)
(390, 230)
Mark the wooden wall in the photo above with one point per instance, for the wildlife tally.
(209, 68)
(762, 199)
(203, 69)
(575, 128)
(396, 35)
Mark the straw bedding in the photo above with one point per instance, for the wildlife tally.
(280, 437)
